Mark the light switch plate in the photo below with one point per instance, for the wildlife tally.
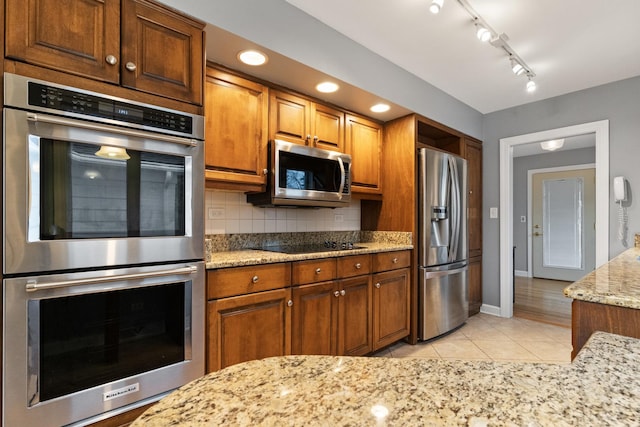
(493, 212)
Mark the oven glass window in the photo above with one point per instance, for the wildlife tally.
(308, 173)
(92, 339)
(100, 192)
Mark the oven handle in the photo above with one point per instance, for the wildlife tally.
(33, 117)
(33, 286)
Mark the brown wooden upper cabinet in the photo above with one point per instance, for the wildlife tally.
(236, 128)
(300, 121)
(472, 151)
(364, 144)
(138, 44)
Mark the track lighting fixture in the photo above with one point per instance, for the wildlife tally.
(531, 85)
(436, 5)
(483, 34)
(517, 67)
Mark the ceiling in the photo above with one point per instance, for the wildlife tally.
(569, 44)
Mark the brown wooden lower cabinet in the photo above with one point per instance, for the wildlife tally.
(355, 316)
(475, 285)
(589, 317)
(248, 327)
(390, 307)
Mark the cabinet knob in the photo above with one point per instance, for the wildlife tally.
(308, 137)
(470, 191)
(130, 66)
(336, 294)
(343, 292)
(254, 279)
(289, 303)
(395, 260)
(111, 60)
(318, 270)
(378, 285)
(315, 138)
(358, 266)
(265, 172)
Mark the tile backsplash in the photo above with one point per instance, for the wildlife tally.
(228, 212)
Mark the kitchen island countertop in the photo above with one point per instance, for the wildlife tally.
(614, 283)
(600, 387)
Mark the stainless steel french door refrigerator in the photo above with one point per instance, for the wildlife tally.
(443, 302)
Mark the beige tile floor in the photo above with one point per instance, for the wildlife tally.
(486, 337)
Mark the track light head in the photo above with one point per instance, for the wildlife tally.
(436, 5)
(517, 67)
(531, 85)
(483, 33)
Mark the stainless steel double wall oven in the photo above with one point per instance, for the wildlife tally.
(103, 273)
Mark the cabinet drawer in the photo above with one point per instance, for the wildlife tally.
(391, 260)
(354, 265)
(315, 270)
(227, 282)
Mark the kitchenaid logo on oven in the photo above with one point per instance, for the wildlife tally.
(120, 392)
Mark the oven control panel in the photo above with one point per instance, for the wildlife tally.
(68, 100)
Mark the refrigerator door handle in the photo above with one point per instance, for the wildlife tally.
(455, 207)
(433, 274)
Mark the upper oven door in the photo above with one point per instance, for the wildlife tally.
(79, 194)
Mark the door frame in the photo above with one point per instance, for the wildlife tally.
(530, 174)
(601, 130)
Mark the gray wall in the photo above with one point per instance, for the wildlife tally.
(618, 102)
(521, 167)
(283, 28)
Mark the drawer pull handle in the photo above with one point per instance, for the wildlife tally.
(343, 292)
(395, 260)
(378, 285)
(318, 270)
(255, 279)
(289, 303)
(358, 266)
(336, 294)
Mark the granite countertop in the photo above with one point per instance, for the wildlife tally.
(253, 256)
(615, 283)
(600, 387)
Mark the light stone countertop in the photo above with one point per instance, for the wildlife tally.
(601, 387)
(615, 283)
(254, 257)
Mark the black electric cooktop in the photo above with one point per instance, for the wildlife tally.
(310, 248)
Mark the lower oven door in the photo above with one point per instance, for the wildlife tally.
(84, 346)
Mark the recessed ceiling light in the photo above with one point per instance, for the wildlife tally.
(326, 87)
(380, 108)
(252, 57)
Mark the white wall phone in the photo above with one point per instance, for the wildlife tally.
(620, 195)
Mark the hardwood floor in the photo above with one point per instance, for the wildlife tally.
(542, 300)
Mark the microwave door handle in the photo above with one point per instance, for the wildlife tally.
(33, 117)
(32, 286)
(342, 177)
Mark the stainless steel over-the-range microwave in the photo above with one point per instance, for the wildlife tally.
(305, 176)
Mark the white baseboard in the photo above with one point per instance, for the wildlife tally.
(490, 309)
(521, 273)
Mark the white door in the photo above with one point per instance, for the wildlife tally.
(563, 226)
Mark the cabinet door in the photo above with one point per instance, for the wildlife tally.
(473, 154)
(390, 307)
(71, 36)
(236, 123)
(475, 285)
(354, 316)
(248, 327)
(364, 143)
(328, 127)
(162, 52)
(314, 318)
(289, 118)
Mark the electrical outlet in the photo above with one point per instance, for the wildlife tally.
(493, 212)
(216, 213)
(338, 218)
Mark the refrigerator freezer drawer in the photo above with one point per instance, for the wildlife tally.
(444, 301)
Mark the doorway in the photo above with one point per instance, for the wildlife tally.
(601, 131)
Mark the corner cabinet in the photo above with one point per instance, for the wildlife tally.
(364, 143)
(236, 127)
(137, 44)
